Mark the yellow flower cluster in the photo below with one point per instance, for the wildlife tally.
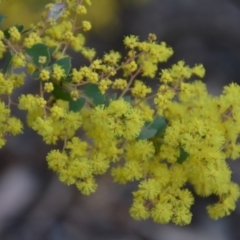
(18, 60)
(44, 75)
(58, 72)
(118, 120)
(15, 35)
(8, 124)
(32, 39)
(140, 89)
(52, 124)
(8, 82)
(165, 139)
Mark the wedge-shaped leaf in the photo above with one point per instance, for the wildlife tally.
(65, 63)
(111, 97)
(59, 93)
(154, 129)
(157, 144)
(2, 17)
(19, 28)
(52, 50)
(147, 133)
(77, 105)
(128, 99)
(183, 155)
(37, 51)
(159, 123)
(27, 30)
(7, 62)
(68, 79)
(35, 74)
(93, 92)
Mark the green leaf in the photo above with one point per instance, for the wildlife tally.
(157, 142)
(154, 129)
(36, 51)
(7, 62)
(19, 28)
(2, 17)
(110, 98)
(160, 124)
(27, 30)
(35, 74)
(93, 92)
(68, 79)
(52, 50)
(147, 133)
(128, 99)
(183, 155)
(77, 105)
(65, 63)
(59, 93)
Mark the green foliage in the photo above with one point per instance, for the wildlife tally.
(36, 51)
(183, 155)
(76, 105)
(2, 17)
(153, 129)
(147, 133)
(93, 92)
(60, 93)
(65, 63)
(7, 62)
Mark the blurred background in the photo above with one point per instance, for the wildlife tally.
(35, 205)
